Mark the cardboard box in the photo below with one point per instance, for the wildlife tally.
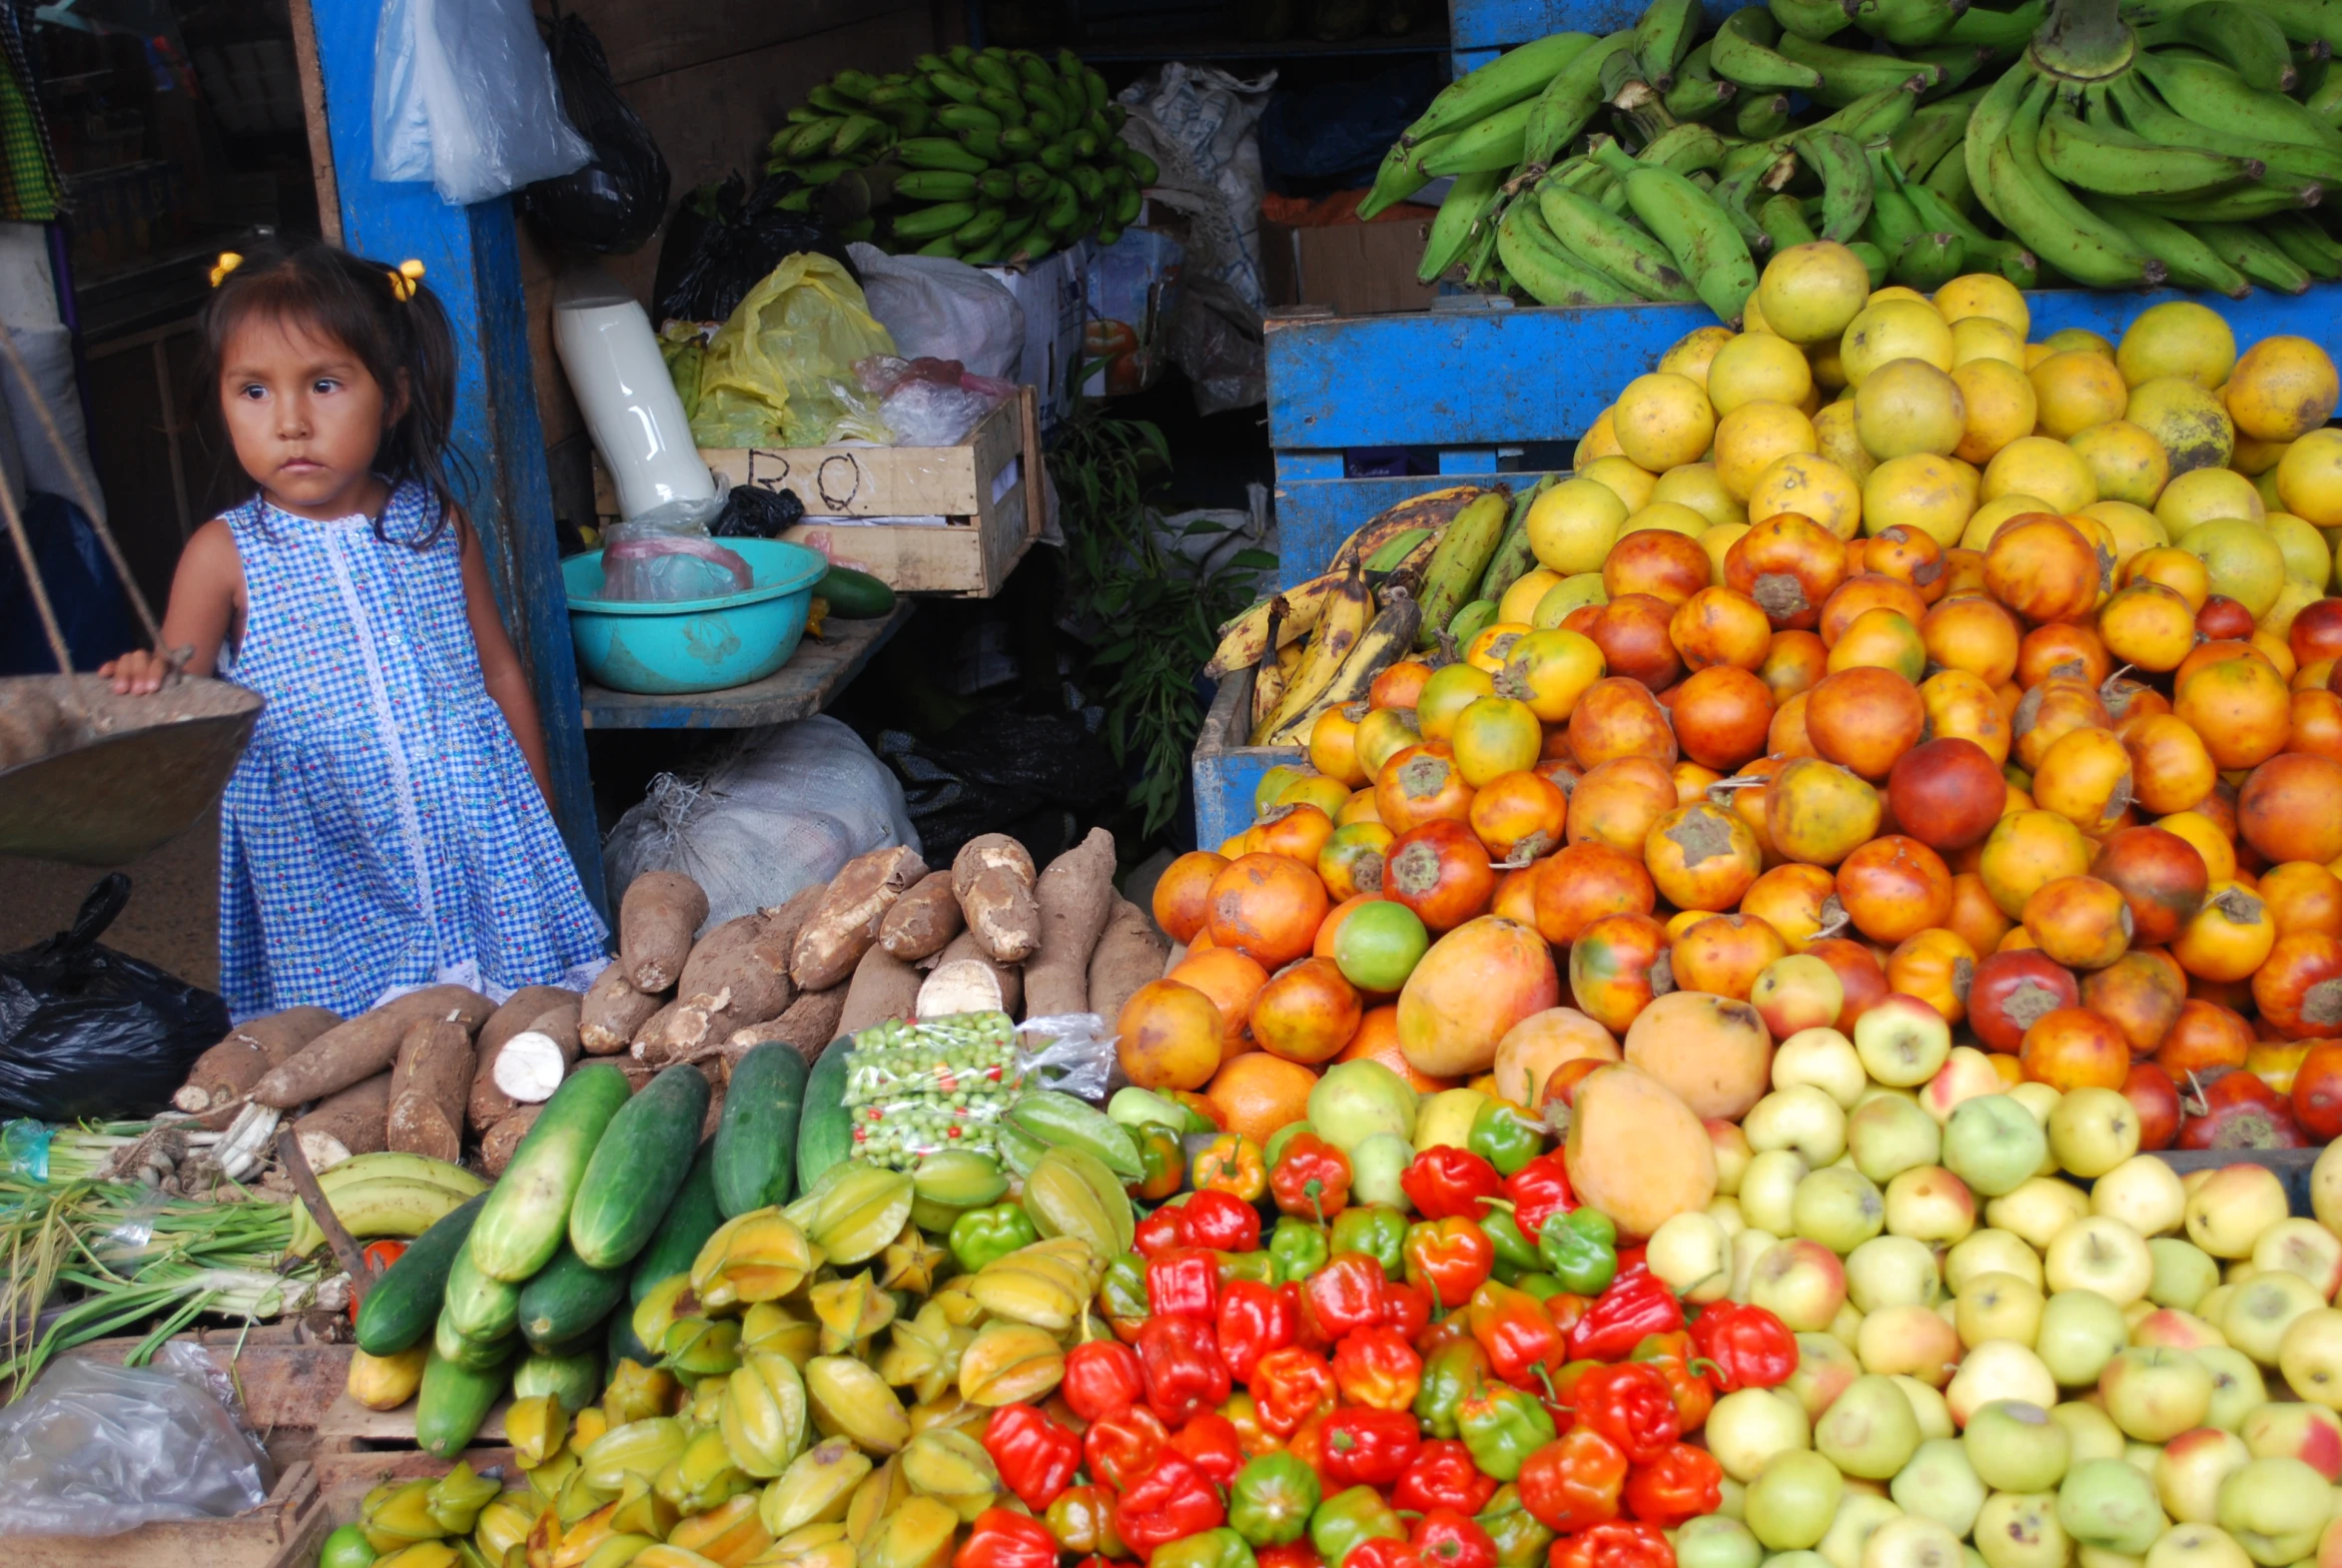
(1134, 291)
(1055, 295)
(1358, 269)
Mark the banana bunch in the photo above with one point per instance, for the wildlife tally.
(384, 1195)
(986, 155)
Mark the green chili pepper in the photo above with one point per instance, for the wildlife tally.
(1271, 1501)
(1451, 1373)
(1541, 1285)
(1580, 1249)
(1504, 1138)
(1123, 1293)
(1297, 1249)
(1521, 1541)
(1516, 1254)
(1162, 1159)
(1348, 1520)
(1376, 1229)
(1502, 1426)
(982, 1235)
(1257, 1267)
(1221, 1548)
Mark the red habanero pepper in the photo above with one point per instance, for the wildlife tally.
(1005, 1538)
(1670, 1355)
(1212, 1445)
(1539, 1190)
(1443, 1477)
(1184, 1282)
(1449, 1257)
(1117, 1448)
(1376, 1368)
(1172, 1501)
(1159, 1234)
(1407, 1308)
(1295, 1554)
(1255, 1320)
(1513, 1327)
(1290, 1386)
(1220, 1220)
(1034, 1455)
(1383, 1552)
(1370, 1447)
(1184, 1373)
(1748, 1346)
(1679, 1483)
(1631, 1407)
(1448, 1538)
(1312, 1178)
(1346, 1294)
(1636, 1304)
(1448, 1183)
(1573, 1482)
(1102, 1378)
(1619, 1544)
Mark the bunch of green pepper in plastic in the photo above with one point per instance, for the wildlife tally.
(918, 1089)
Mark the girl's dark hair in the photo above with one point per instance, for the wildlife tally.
(353, 300)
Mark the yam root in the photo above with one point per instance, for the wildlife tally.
(520, 1011)
(368, 1044)
(216, 1085)
(740, 959)
(884, 987)
(613, 1013)
(353, 1121)
(923, 920)
(1076, 895)
(784, 923)
(653, 1030)
(687, 1030)
(846, 925)
(963, 991)
(535, 1059)
(657, 920)
(810, 1025)
(429, 1089)
(503, 1140)
(1127, 956)
(993, 879)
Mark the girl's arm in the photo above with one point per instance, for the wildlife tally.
(206, 593)
(499, 667)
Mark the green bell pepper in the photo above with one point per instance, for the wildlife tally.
(1122, 1292)
(1297, 1248)
(1221, 1548)
(1376, 1229)
(1502, 1426)
(1516, 1254)
(1541, 1285)
(1521, 1541)
(1449, 1375)
(1257, 1266)
(1271, 1499)
(982, 1235)
(1348, 1520)
(1504, 1138)
(1580, 1250)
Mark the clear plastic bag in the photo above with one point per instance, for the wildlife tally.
(667, 554)
(780, 371)
(933, 305)
(465, 98)
(917, 1089)
(93, 1449)
(930, 403)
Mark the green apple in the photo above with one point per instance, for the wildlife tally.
(1356, 1100)
(1889, 1134)
(1903, 1041)
(1768, 1190)
(1993, 1143)
(1908, 1340)
(1826, 1368)
(2100, 1255)
(1732, 1155)
(1913, 1541)
(2021, 1530)
(1838, 1207)
(1791, 1504)
(2304, 1247)
(1991, 1250)
(1942, 1484)
(1377, 1162)
(2155, 1394)
(1824, 1060)
(2237, 1389)
(1893, 1271)
(1999, 1305)
(1997, 1370)
(2080, 1332)
(2310, 1356)
(1964, 1074)
(2276, 1509)
(1748, 1247)
(1800, 1281)
(1928, 1404)
(1692, 1254)
(1751, 1427)
(1447, 1117)
(2015, 1446)
(1801, 1117)
(2111, 1504)
(1858, 1516)
(2038, 1208)
(1847, 1327)
(1928, 1204)
(2168, 1328)
(2190, 1469)
(1713, 1541)
(2308, 1432)
(1869, 1430)
(2092, 1131)
(2184, 1273)
(2263, 1308)
(2145, 1194)
(2196, 1546)
(2091, 1430)
(2228, 1209)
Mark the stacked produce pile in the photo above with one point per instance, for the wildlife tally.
(2180, 141)
(987, 154)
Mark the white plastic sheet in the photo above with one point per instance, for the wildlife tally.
(465, 98)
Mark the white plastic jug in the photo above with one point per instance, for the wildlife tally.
(631, 410)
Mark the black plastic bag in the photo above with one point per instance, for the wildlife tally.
(724, 241)
(614, 203)
(89, 1032)
(753, 512)
(988, 772)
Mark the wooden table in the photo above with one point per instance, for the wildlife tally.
(804, 686)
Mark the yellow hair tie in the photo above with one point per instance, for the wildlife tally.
(407, 279)
(228, 261)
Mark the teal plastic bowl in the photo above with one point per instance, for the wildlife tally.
(691, 645)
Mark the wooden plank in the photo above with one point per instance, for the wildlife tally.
(1224, 771)
(313, 121)
(1491, 377)
(285, 1379)
(255, 1540)
(643, 41)
(815, 673)
(345, 1426)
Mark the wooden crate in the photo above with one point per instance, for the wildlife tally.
(989, 488)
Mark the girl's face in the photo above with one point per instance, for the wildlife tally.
(306, 417)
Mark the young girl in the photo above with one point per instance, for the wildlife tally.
(388, 828)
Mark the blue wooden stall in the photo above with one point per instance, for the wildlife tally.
(471, 260)
(1480, 30)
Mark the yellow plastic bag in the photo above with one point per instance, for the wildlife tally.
(781, 370)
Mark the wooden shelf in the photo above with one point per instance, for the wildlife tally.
(804, 686)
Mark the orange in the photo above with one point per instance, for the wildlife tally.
(1378, 1040)
(1258, 1093)
(1232, 981)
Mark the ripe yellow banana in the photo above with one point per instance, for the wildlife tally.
(1383, 643)
(1245, 640)
(1269, 677)
(1347, 614)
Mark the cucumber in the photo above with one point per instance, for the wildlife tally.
(450, 1344)
(567, 1299)
(825, 1133)
(854, 595)
(691, 1218)
(527, 1210)
(477, 1307)
(452, 1403)
(636, 1168)
(625, 1345)
(758, 1131)
(404, 1303)
(575, 1380)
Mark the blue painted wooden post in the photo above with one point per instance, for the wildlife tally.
(471, 260)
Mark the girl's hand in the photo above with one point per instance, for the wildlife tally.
(138, 673)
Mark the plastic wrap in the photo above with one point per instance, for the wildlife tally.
(667, 554)
(918, 1089)
(930, 403)
(465, 98)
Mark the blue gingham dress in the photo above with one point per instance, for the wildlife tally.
(383, 830)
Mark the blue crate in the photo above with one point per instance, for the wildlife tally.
(1480, 30)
